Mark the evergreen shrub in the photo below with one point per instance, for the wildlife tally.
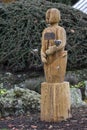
(21, 26)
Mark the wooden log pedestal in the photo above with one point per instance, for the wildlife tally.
(55, 101)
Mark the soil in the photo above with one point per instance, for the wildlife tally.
(78, 121)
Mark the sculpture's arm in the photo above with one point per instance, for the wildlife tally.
(43, 49)
(62, 37)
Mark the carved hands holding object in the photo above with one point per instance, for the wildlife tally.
(51, 50)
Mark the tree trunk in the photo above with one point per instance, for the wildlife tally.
(55, 101)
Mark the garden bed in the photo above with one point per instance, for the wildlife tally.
(33, 122)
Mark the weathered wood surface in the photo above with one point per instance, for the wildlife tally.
(55, 93)
(53, 56)
(55, 101)
(55, 72)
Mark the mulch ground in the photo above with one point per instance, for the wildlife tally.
(33, 122)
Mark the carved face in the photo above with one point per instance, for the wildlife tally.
(52, 16)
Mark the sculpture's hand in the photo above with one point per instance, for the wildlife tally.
(51, 50)
(43, 57)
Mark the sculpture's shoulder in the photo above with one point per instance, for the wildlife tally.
(46, 30)
(61, 28)
(53, 28)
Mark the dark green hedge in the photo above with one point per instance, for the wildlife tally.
(21, 25)
(67, 2)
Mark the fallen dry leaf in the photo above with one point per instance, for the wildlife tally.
(72, 30)
(50, 127)
(33, 126)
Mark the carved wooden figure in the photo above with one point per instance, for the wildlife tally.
(52, 52)
(55, 94)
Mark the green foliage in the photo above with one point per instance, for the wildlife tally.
(21, 26)
(18, 93)
(4, 129)
(79, 85)
(67, 2)
(2, 91)
(19, 101)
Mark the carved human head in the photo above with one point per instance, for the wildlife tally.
(52, 16)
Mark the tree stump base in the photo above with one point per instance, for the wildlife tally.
(55, 101)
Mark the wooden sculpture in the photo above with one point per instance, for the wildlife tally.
(55, 93)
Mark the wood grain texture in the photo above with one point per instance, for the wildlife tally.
(54, 57)
(55, 93)
(55, 101)
(55, 71)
